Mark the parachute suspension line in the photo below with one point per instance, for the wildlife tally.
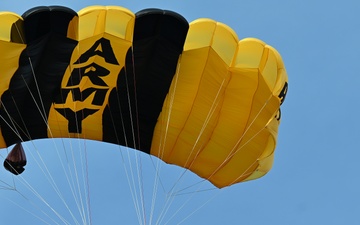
(85, 214)
(52, 182)
(69, 174)
(79, 189)
(209, 115)
(197, 209)
(184, 204)
(18, 134)
(157, 174)
(6, 186)
(141, 200)
(88, 186)
(139, 167)
(80, 198)
(164, 130)
(3, 184)
(212, 109)
(157, 179)
(171, 103)
(141, 185)
(41, 198)
(129, 100)
(130, 174)
(15, 126)
(33, 214)
(135, 98)
(43, 166)
(181, 192)
(26, 132)
(245, 172)
(15, 131)
(43, 112)
(74, 181)
(235, 149)
(132, 189)
(173, 191)
(206, 122)
(170, 195)
(47, 173)
(19, 33)
(192, 212)
(35, 206)
(37, 106)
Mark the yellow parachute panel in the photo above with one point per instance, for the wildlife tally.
(218, 119)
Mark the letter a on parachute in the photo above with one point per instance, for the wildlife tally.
(191, 94)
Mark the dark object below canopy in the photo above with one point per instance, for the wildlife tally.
(16, 160)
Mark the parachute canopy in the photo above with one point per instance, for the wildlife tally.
(193, 94)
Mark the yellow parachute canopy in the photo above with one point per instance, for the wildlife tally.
(193, 95)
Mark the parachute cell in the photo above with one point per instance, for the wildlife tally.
(193, 95)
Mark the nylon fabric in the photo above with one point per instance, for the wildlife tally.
(193, 95)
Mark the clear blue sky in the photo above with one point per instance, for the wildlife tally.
(315, 179)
